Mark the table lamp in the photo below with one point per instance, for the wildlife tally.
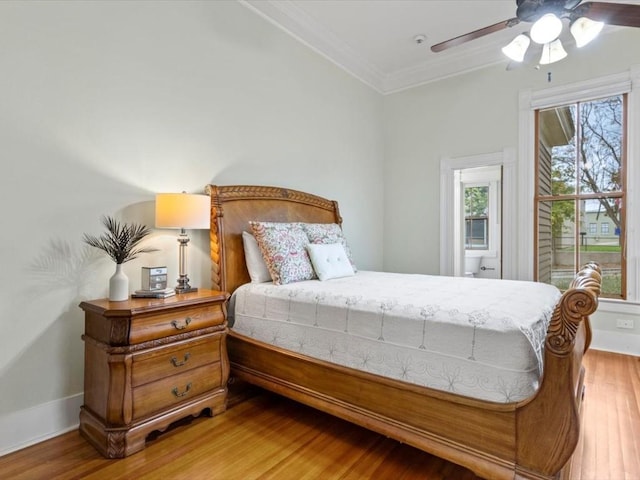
(184, 211)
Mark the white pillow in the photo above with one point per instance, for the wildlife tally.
(330, 260)
(328, 233)
(258, 270)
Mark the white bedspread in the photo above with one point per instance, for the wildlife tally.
(475, 337)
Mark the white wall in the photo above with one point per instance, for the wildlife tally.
(473, 114)
(103, 104)
(470, 114)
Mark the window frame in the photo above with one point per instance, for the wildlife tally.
(529, 101)
(488, 233)
(470, 221)
(579, 197)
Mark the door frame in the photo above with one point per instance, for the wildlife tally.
(448, 227)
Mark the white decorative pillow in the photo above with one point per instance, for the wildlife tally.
(325, 233)
(330, 260)
(258, 270)
(283, 247)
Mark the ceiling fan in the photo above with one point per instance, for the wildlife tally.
(586, 20)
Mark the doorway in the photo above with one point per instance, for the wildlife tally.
(453, 224)
(480, 219)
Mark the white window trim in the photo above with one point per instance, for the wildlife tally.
(626, 82)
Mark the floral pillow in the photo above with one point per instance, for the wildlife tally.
(283, 247)
(328, 233)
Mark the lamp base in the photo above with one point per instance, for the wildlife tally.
(183, 283)
(186, 289)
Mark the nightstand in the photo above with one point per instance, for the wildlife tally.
(150, 362)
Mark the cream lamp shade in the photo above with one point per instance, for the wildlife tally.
(184, 211)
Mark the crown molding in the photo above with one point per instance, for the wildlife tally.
(294, 21)
(448, 65)
(285, 15)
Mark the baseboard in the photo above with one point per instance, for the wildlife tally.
(616, 342)
(41, 422)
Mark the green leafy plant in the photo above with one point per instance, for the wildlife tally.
(121, 240)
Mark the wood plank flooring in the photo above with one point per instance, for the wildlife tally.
(609, 446)
(269, 437)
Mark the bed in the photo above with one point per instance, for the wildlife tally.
(532, 437)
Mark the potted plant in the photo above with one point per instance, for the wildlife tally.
(121, 242)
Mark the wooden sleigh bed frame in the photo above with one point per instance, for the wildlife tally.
(531, 439)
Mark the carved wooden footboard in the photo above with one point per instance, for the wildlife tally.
(568, 338)
(529, 439)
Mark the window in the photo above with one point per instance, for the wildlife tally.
(580, 176)
(476, 233)
(476, 211)
(604, 229)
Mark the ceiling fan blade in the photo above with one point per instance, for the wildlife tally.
(438, 47)
(620, 14)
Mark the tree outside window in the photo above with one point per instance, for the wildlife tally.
(580, 177)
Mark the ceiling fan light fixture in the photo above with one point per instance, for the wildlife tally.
(584, 30)
(517, 48)
(552, 52)
(546, 29)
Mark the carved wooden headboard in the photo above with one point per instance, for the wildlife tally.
(234, 206)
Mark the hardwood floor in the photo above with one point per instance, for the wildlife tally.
(269, 437)
(609, 447)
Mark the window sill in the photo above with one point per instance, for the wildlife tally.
(612, 305)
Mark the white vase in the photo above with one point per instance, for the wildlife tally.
(118, 285)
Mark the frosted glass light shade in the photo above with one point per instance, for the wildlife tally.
(546, 29)
(584, 30)
(552, 52)
(182, 210)
(517, 48)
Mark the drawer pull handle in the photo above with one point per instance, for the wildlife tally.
(181, 394)
(175, 324)
(177, 363)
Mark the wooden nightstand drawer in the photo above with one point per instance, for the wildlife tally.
(176, 358)
(173, 322)
(150, 362)
(170, 391)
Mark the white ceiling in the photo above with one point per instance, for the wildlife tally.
(374, 39)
